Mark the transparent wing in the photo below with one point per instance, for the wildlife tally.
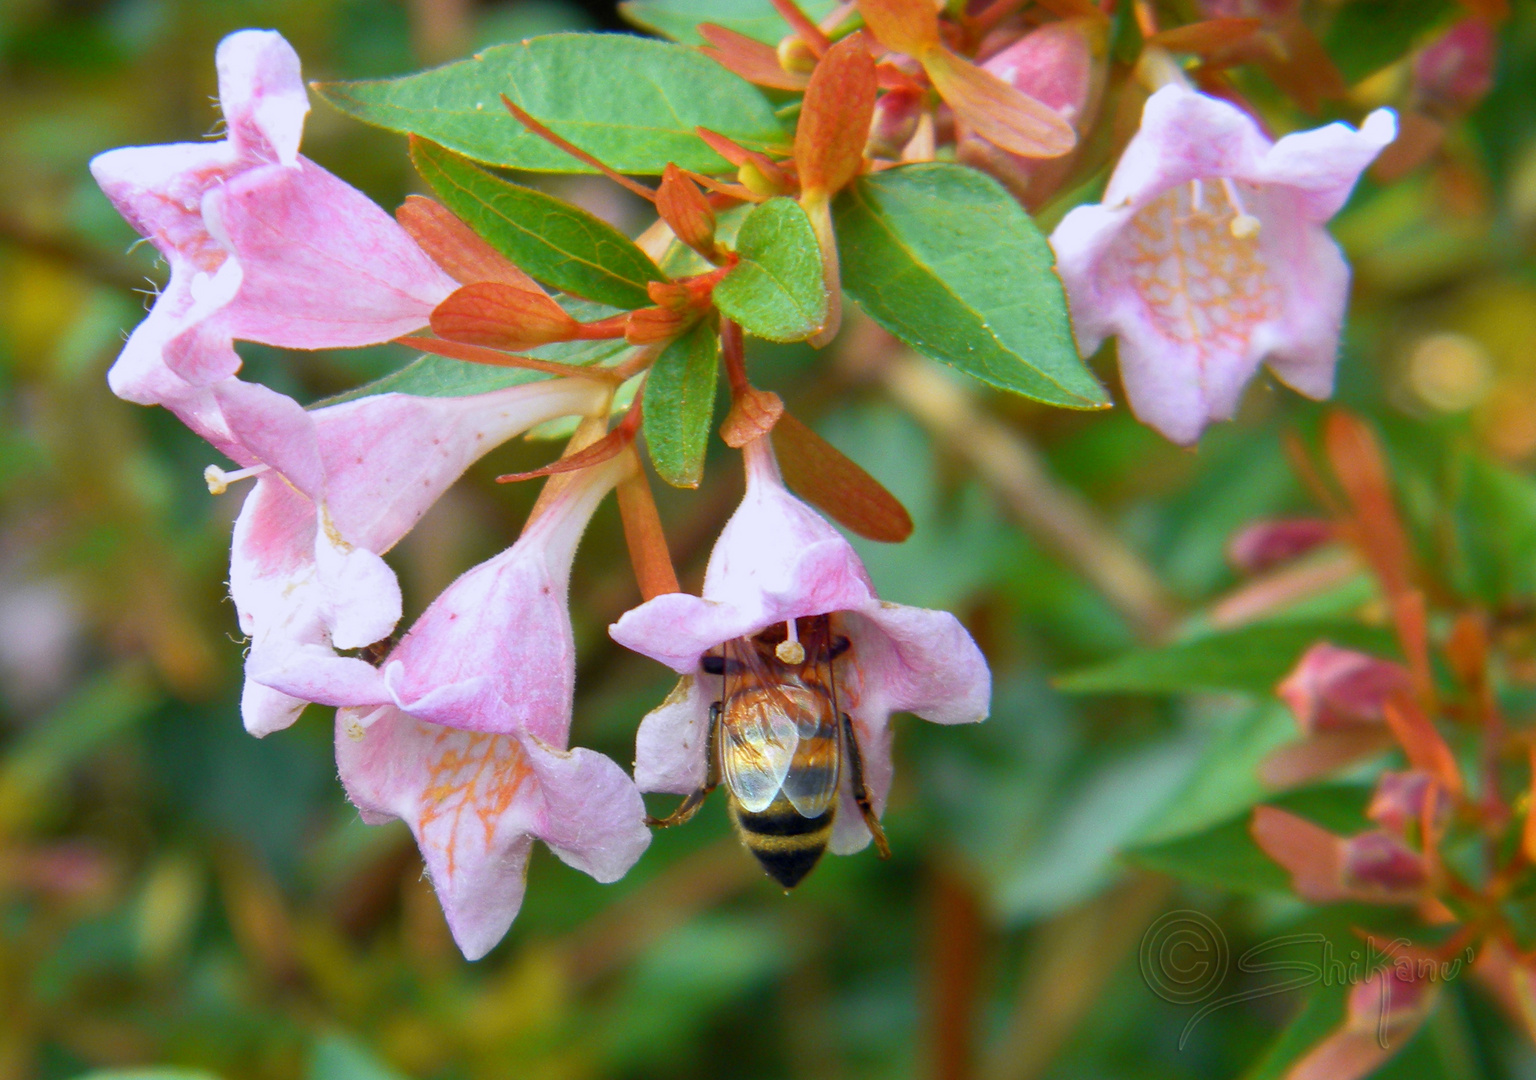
(757, 746)
(757, 735)
(811, 784)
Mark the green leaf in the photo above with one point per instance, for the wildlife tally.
(945, 259)
(631, 102)
(679, 19)
(1227, 857)
(337, 1057)
(559, 244)
(1318, 1017)
(1251, 659)
(778, 290)
(1225, 780)
(1495, 530)
(679, 404)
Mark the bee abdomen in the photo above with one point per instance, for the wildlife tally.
(787, 844)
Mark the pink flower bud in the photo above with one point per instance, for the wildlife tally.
(1400, 799)
(1455, 71)
(1379, 866)
(895, 122)
(1266, 544)
(1332, 687)
(1062, 66)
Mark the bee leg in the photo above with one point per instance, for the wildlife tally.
(860, 792)
(691, 804)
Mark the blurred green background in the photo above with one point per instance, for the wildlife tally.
(176, 893)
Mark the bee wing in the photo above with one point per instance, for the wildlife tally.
(757, 746)
(811, 786)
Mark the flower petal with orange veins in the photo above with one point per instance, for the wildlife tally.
(1009, 119)
(501, 316)
(476, 801)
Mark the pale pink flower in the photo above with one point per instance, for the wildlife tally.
(263, 244)
(470, 750)
(1209, 256)
(776, 560)
(337, 487)
(476, 801)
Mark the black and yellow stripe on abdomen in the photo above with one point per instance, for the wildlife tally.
(787, 844)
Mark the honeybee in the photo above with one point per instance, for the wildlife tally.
(778, 738)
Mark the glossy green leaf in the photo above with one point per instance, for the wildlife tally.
(1250, 659)
(679, 19)
(559, 244)
(1227, 857)
(631, 102)
(778, 290)
(945, 259)
(680, 403)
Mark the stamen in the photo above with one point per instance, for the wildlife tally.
(218, 480)
(790, 651)
(1244, 226)
(1196, 197)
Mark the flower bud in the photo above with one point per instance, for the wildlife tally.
(1332, 688)
(1455, 71)
(1062, 66)
(1401, 797)
(1380, 866)
(895, 122)
(1266, 544)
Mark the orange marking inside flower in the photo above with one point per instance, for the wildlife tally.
(475, 773)
(1195, 262)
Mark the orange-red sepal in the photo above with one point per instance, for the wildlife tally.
(753, 414)
(908, 26)
(686, 211)
(609, 446)
(749, 58)
(502, 316)
(454, 246)
(822, 474)
(835, 117)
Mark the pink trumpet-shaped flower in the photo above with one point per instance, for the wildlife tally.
(479, 768)
(263, 245)
(776, 560)
(1209, 256)
(344, 483)
(476, 801)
